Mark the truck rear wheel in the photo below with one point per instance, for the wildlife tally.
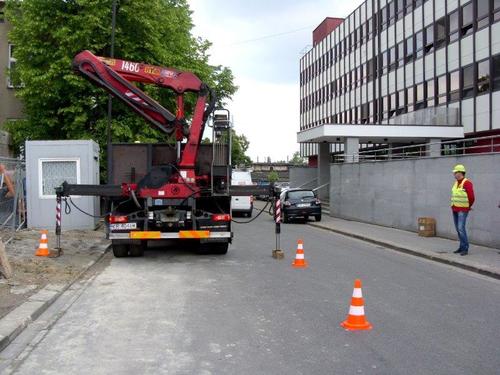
(120, 251)
(137, 250)
(213, 248)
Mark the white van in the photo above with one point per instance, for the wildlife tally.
(242, 204)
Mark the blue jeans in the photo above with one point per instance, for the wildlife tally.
(460, 218)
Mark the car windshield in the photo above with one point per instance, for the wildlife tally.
(300, 194)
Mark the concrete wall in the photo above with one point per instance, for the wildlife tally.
(396, 193)
(301, 175)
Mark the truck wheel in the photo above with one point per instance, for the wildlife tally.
(219, 248)
(137, 250)
(285, 218)
(213, 248)
(317, 217)
(120, 251)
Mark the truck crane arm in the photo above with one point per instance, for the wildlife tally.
(116, 77)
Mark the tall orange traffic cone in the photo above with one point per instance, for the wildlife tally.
(43, 248)
(299, 261)
(356, 319)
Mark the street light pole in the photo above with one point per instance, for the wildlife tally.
(110, 98)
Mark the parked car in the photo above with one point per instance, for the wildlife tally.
(300, 203)
(241, 204)
(280, 187)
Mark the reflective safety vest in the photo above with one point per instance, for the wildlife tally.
(459, 196)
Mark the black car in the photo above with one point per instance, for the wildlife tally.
(300, 203)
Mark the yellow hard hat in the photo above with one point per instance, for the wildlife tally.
(459, 168)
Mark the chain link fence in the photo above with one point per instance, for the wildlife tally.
(12, 197)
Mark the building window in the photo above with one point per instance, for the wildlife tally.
(409, 50)
(373, 112)
(440, 34)
(409, 99)
(483, 77)
(401, 53)
(454, 86)
(383, 18)
(483, 13)
(365, 113)
(430, 93)
(453, 25)
(53, 172)
(495, 61)
(409, 6)
(12, 77)
(441, 90)
(392, 12)
(384, 61)
(400, 8)
(468, 81)
(496, 9)
(393, 60)
(385, 107)
(419, 96)
(419, 44)
(393, 105)
(401, 102)
(429, 38)
(467, 19)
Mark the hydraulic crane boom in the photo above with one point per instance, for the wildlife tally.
(116, 77)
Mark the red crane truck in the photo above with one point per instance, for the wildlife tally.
(180, 193)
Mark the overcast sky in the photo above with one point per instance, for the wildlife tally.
(245, 37)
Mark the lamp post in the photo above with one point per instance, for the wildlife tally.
(110, 98)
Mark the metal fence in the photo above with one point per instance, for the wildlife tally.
(468, 146)
(12, 197)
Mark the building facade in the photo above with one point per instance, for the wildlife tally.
(10, 106)
(404, 62)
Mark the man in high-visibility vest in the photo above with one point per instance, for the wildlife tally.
(462, 199)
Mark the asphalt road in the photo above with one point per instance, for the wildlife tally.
(174, 312)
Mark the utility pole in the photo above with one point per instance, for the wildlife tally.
(110, 98)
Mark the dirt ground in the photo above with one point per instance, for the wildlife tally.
(31, 273)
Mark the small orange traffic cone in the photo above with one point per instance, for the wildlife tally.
(356, 319)
(43, 248)
(299, 261)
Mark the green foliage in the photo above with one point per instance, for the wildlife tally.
(61, 105)
(273, 176)
(297, 159)
(240, 146)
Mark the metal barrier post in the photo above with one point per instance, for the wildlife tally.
(278, 253)
(58, 224)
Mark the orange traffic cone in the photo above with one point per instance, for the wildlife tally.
(299, 261)
(356, 319)
(43, 248)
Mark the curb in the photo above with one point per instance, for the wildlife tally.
(12, 324)
(406, 250)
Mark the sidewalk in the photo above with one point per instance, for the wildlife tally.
(38, 281)
(483, 260)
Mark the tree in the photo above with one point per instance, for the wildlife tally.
(297, 159)
(60, 105)
(240, 146)
(273, 176)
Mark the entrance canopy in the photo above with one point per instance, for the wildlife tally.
(378, 133)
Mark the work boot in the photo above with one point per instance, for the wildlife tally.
(464, 253)
(457, 251)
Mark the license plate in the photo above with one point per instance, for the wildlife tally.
(123, 226)
(303, 204)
